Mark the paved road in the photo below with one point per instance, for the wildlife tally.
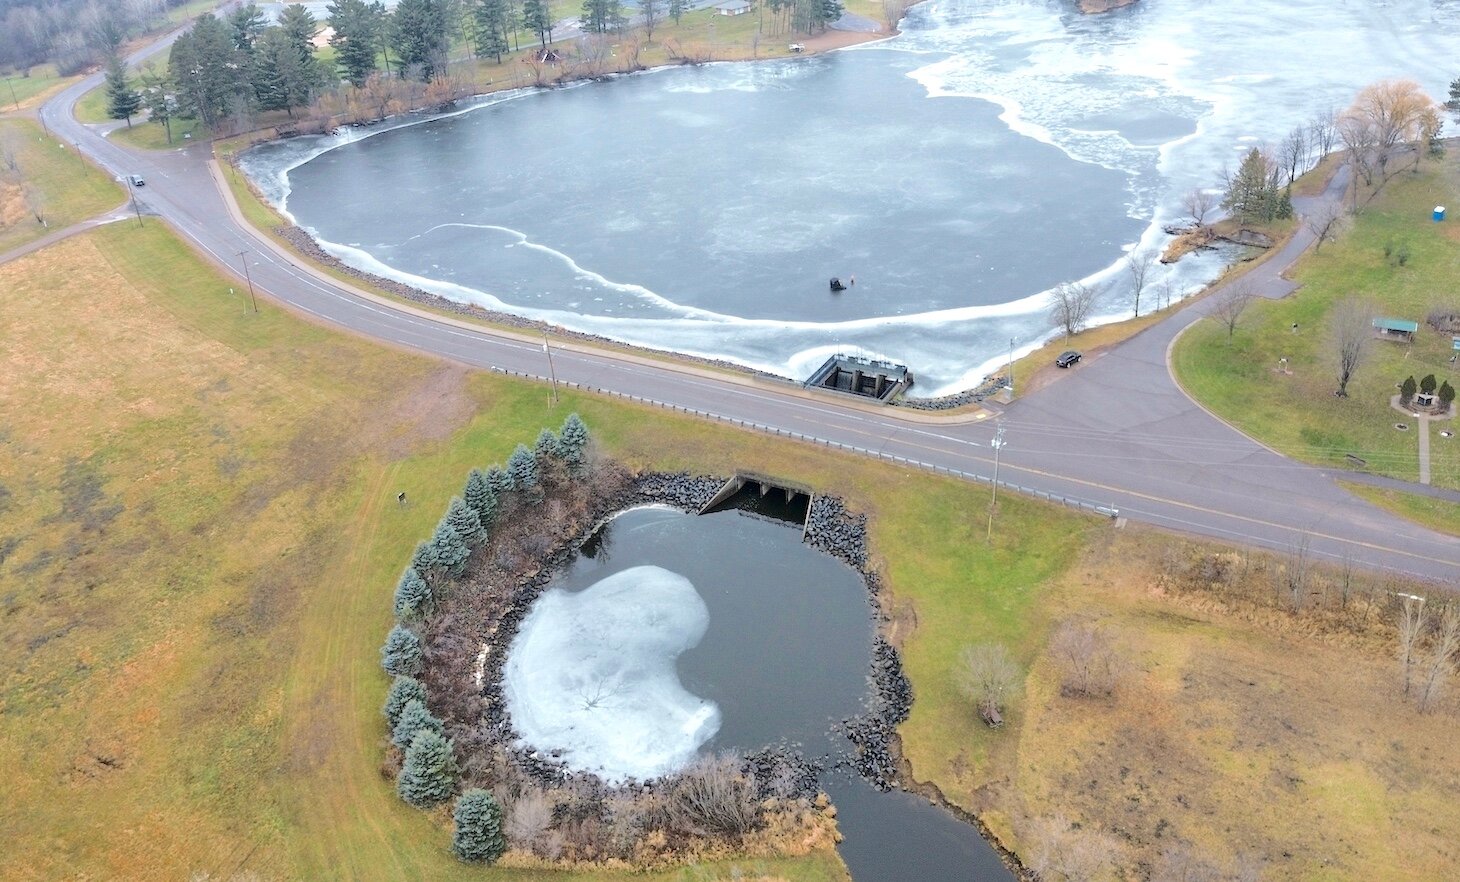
(1116, 431)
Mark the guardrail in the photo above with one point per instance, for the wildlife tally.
(1108, 511)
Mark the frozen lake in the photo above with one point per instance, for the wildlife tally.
(958, 171)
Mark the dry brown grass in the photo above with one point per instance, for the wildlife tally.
(1241, 730)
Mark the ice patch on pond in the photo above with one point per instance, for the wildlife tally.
(591, 674)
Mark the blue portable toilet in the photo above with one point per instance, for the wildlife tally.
(1439, 213)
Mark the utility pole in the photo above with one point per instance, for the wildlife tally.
(135, 207)
(12, 93)
(552, 372)
(248, 278)
(997, 444)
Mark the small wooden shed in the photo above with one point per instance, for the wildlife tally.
(1395, 329)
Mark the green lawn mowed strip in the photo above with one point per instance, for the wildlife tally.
(52, 176)
(41, 80)
(203, 537)
(1297, 412)
(1437, 514)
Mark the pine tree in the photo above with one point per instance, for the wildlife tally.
(157, 96)
(481, 497)
(1251, 194)
(414, 717)
(123, 102)
(537, 18)
(1407, 390)
(499, 480)
(522, 468)
(478, 835)
(401, 653)
(429, 774)
(1284, 208)
(573, 441)
(1446, 395)
(1427, 385)
(465, 520)
(356, 35)
(419, 35)
(425, 560)
(403, 690)
(547, 445)
(490, 20)
(412, 595)
(450, 548)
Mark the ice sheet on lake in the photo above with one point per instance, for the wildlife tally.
(593, 674)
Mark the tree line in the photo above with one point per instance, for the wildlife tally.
(72, 34)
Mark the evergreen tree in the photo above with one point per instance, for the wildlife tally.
(573, 441)
(403, 690)
(467, 523)
(300, 28)
(429, 774)
(412, 595)
(245, 26)
(401, 653)
(537, 18)
(1447, 395)
(522, 468)
(283, 80)
(1407, 390)
(419, 36)
(547, 445)
(478, 835)
(357, 26)
(499, 480)
(204, 65)
(490, 20)
(414, 717)
(1427, 385)
(1251, 193)
(123, 102)
(450, 548)
(481, 497)
(1284, 208)
(425, 561)
(157, 97)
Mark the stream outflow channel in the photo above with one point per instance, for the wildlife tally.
(785, 659)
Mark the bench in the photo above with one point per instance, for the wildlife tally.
(1355, 461)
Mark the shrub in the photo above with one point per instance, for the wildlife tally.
(1427, 385)
(465, 520)
(428, 776)
(449, 548)
(1088, 662)
(412, 594)
(522, 468)
(1407, 390)
(528, 818)
(414, 717)
(481, 497)
(401, 653)
(403, 690)
(714, 795)
(478, 835)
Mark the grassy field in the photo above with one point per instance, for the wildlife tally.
(68, 188)
(1297, 413)
(1437, 514)
(31, 90)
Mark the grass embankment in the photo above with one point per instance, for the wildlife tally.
(65, 186)
(1297, 413)
(41, 82)
(1437, 514)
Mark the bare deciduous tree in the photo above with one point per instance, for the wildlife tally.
(1352, 325)
(1293, 153)
(1438, 665)
(1070, 307)
(1088, 662)
(1358, 139)
(1323, 131)
(1412, 623)
(713, 795)
(528, 817)
(1182, 863)
(1198, 204)
(1063, 852)
(1229, 305)
(988, 676)
(1324, 223)
(1394, 110)
(1298, 570)
(1138, 265)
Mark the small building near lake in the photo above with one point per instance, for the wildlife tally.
(865, 377)
(1395, 329)
(732, 7)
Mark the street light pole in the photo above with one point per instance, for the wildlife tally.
(248, 278)
(552, 372)
(997, 444)
(1011, 365)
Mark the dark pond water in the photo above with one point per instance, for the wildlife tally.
(783, 657)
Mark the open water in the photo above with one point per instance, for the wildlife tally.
(958, 171)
